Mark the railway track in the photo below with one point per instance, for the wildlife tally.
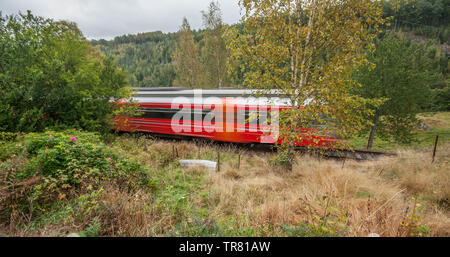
(355, 154)
(342, 154)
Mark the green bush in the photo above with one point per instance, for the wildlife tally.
(36, 141)
(51, 76)
(61, 165)
(9, 148)
(7, 136)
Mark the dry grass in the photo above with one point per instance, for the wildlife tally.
(440, 120)
(119, 213)
(404, 195)
(356, 199)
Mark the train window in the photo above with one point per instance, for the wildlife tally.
(199, 114)
(167, 114)
(157, 113)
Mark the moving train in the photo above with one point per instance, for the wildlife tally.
(226, 115)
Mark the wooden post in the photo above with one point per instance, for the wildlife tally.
(239, 161)
(218, 161)
(435, 146)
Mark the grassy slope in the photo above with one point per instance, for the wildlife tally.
(398, 196)
(438, 125)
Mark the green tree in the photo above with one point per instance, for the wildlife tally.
(187, 60)
(214, 52)
(307, 50)
(403, 74)
(430, 18)
(51, 76)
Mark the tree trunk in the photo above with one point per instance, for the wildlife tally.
(373, 129)
(290, 153)
(291, 146)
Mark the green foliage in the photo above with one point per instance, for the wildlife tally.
(305, 51)
(8, 148)
(441, 95)
(282, 159)
(429, 18)
(401, 72)
(413, 223)
(423, 20)
(76, 210)
(421, 138)
(7, 136)
(332, 222)
(214, 52)
(61, 164)
(93, 230)
(37, 141)
(173, 194)
(187, 59)
(50, 76)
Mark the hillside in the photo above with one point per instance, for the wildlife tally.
(147, 57)
(431, 125)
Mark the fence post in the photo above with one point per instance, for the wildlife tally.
(239, 161)
(435, 146)
(218, 161)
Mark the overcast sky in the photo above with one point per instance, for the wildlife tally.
(109, 18)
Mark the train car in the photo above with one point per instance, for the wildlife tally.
(226, 115)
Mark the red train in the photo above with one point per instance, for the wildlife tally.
(226, 115)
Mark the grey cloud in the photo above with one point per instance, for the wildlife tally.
(110, 18)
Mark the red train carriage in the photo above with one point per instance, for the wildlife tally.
(221, 115)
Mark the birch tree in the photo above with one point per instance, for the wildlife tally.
(215, 52)
(187, 60)
(307, 50)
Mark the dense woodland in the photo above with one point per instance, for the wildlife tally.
(147, 57)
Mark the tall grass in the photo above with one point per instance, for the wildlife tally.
(404, 195)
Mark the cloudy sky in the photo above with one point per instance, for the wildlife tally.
(109, 18)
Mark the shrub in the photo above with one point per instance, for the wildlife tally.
(7, 136)
(51, 76)
(62, 165)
